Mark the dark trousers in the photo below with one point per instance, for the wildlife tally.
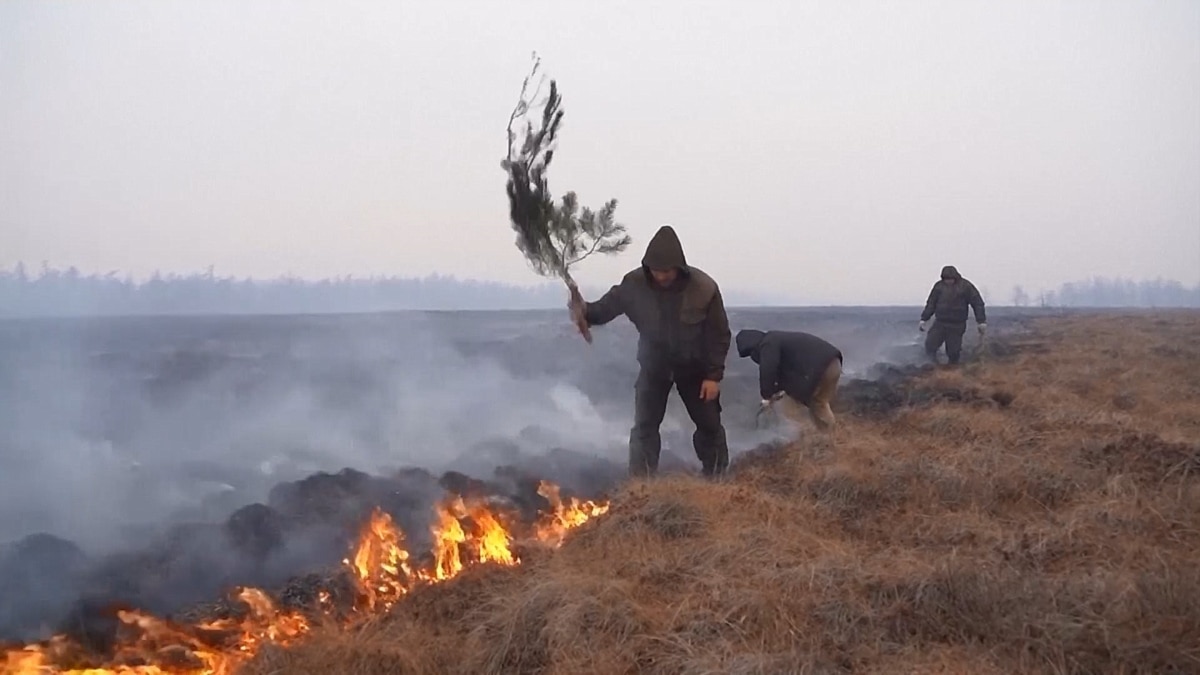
(650, 406)
(949, 333)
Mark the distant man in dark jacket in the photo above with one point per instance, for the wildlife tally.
(799, 365)
(683, 340)
(948, 302)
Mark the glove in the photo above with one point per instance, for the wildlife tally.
(982, 328)
(921, 326)
(764, 412)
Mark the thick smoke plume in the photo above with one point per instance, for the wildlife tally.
(158, 461)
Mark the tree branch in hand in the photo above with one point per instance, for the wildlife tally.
(553, 237)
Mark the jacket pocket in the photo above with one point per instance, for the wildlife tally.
(690, 345)
(692, 316)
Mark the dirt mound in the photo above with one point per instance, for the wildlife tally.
(761, 456)
(256, 530)
(40, 577)
(888, 387)
(1147, 456)
(896, 387)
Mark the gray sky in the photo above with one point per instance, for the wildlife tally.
(836, 152)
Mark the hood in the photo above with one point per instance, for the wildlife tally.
(950, 271)
(664, 251)
(748, 340)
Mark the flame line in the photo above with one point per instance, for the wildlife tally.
(465, 534)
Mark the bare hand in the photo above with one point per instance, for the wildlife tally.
(709, 390)
(578, 311)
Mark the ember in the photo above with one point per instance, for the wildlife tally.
(465, 533)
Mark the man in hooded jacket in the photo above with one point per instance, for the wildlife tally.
(683, 341)
(799, 365)
(948, 303)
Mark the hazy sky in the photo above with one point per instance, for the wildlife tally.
(837, 152)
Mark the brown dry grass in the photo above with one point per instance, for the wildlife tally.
(1048, 521)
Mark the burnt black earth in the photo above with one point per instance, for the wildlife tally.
(264, 408)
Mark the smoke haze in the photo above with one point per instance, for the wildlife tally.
(138, 443)
(111, 424)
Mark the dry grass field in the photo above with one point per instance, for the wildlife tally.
(1036, 512)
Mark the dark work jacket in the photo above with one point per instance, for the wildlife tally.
(788, 361)
(950, 302)
(682, 329)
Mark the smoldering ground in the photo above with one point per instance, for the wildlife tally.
(156, 462)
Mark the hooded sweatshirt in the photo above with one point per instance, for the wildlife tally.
(788, 361)
(682, 328)
(950, 302)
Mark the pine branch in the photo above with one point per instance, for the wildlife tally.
(607, 236)
(552, 237)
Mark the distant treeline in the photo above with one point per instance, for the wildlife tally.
(55, 292)
(1102, 292)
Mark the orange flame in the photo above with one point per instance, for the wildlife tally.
(553, 527)
(492, 540)
(380, 563)
(175, 650)
(464, 534)
(447, 536)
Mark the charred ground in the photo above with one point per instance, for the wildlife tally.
(294, 543)
(297, 536)
(1036, 511)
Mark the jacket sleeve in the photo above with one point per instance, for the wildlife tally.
(930, 303)
(976, 300)
(768, 369)
(608, 307)
(717, 337)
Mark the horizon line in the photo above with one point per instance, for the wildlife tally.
(1055, 309)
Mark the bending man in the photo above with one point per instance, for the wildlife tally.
(799, 365)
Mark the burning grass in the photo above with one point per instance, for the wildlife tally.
(1035, 512)
(380, 572)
